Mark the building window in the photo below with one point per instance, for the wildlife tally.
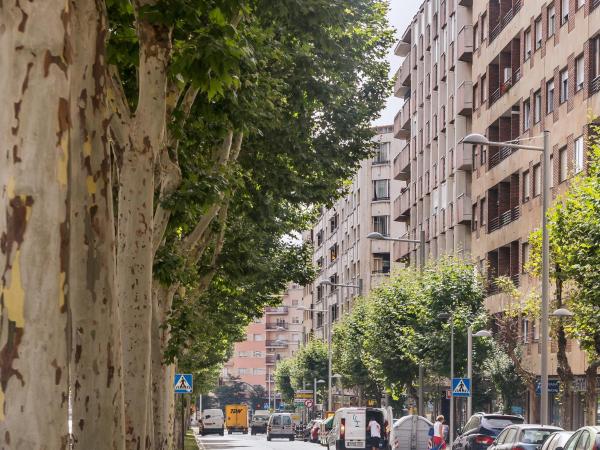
(526, 115)
(550, 96)
(380, 224)
(381, 190)
(381, 263)
(526, 186)
(476, 36)
(319, 293)
(551, 19)
(382, 153)
(484, 89)
(258, 371)
(527, 38)
(562, 164)
(482, 213)
(564, 11)
(243, 371)
(579, 154)
(258, 354)
(579, 73)
(476, 95)
(595, 57)
(538, 33)
(580, 3)
(525, 331)
(537, 180)
(259, 337)
(564, 85)
(320, 237)
(333, 223)
(537, 106)
(333, 252)
(525, 256)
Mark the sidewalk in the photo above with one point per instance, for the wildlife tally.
(191, 440)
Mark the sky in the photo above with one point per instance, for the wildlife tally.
(400, 14)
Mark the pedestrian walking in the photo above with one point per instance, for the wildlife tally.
(438, 442)
(375, 433)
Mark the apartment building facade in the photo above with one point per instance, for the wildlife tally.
(275, 336)
(435, 81)
(283, 330)
(536, 67)
(508, 69)
(342, 251)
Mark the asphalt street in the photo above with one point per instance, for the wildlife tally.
(248, 442)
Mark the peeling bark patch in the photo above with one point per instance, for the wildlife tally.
(110, 368)
(16, 157)
(8, 354)
(99, 68)
(81, 423)
(24, 17)
(64, 124)
(26, 80)
(77, 353)
(17, 106)
(50, 59)
(7, 437)
(57, 372)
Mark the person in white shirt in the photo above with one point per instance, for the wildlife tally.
(439, 442)
(375, 432)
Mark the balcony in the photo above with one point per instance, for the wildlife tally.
(402, 249)
(506, 17)
(493, 288)
(402, 164)
(464, 157)
(464, 99)
(279, 326)
(402, 83)
(465, 44)
(465, 2)
(276, 310)
(270, 360)
(402, 122)
(464, 209)
(499, 156)
(402, 49)
(402, 206)
(504, 219)
(277, 343)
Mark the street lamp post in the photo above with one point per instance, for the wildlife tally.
(478, 139)
(470, 335)
(421, 242)
(315, 395)
(450, 318)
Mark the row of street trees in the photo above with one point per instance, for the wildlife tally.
(380, 344)
(155, 153)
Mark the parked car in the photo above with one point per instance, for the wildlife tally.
(523, 437)
(410, 433)
(324, 429)
(211, 421)
(306, 433)
(556, 441)
(349, 428)
(481, 429)
(281, 425)
(258, 423)
(586, 438)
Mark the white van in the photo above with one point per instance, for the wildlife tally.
(411, 433)
(349, 429)
(212, 421)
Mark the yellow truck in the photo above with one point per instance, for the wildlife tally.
(236, 418)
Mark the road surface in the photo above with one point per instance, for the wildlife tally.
(248, 442)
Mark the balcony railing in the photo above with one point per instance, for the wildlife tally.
(493, 287)
(402, 164)
(594, 5)
(278, 343)
(505, 86)
(276, 310)
(270, 360)
(277, 326)
(495, 31)
(595, 83)
(504, 219)
(501, 155)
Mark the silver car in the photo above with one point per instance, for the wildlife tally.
(281, 425)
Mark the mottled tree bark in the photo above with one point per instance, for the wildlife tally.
(135, 232)
(591, 397)
(564, 371)
(34, 223)
(96, 348)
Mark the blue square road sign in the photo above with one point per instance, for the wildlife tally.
(461, 387)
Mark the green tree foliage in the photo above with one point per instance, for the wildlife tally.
(310, 362)
(283, 379)
(349, 352)
(403, 329)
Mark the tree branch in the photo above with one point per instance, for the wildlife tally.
(120, 119)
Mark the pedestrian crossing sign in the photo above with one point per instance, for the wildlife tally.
(184, 383)
(461, 387)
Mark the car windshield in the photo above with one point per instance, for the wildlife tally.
(535, 436)
(286, 420)
(502, 422)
